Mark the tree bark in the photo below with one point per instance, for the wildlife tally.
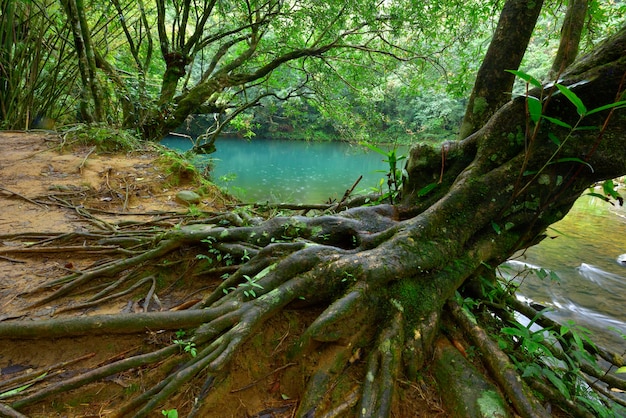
(571, 33)
(493, 84)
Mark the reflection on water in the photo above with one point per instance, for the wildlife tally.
(583, 250)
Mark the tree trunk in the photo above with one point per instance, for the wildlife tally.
(571, 33)
(92, 92)
(493, 84)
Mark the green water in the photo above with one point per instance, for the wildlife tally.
(582, 249)
(291, 171)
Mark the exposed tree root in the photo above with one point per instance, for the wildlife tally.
(500, 366)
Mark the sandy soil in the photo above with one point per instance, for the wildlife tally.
(43, 186)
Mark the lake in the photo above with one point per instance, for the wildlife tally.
(582, 249)
(290, 171)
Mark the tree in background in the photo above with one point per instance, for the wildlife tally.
(152, 65)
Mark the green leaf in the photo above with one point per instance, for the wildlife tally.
(496, 227)
(554, 139)
(558, 122)
(375, 148)
(574, 160)
(572, 97)
(534, 108)
(617, 105)
(557, 382)
(426, 189)
(526, 77)
(621, 370)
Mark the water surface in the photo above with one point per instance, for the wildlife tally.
(291, 171)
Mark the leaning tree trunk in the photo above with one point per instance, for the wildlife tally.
(382, 274)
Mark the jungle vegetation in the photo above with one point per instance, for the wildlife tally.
(389, 285)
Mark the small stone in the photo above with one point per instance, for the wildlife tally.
(188, 197)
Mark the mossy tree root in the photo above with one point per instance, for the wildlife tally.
(499, 366)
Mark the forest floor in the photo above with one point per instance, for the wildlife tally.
(49, 187)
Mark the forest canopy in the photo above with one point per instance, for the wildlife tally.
(378, 71)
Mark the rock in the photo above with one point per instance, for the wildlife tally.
(188, 197)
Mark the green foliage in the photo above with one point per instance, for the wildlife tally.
(608, 192)
(180, 167)
(535, 109)
(394, 174)
(215, 255)
(188, 346)
(103, 137)
(555, 356)
(170, 413)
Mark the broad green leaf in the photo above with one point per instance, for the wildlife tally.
(617, 105)
(557, 382)
(599, 196)
(572, 97)
(557, 122)
(374, 148)
(621, 370)
(526, 77)
(534, 108)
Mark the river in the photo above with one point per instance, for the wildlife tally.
(582, 248)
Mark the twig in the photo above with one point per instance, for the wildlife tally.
(95, 249)
(33, 374)
(82, 164)
(349, 192)
(12, 260)
(22, 197)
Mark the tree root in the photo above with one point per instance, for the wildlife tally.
(382, 370)
(499, 366)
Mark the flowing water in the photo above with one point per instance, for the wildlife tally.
(582, 249)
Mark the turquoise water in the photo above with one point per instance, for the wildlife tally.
(290, 171)
(582, 248)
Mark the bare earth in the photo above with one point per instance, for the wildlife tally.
(44, 185)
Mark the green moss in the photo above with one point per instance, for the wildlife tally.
(414, 298)
(480, 105)
(490, 404)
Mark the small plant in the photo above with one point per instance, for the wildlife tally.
(555, 356)
(249, 286)
(348, 276)
(170, 413)
(216, 255)
(187, 345)
(394, 174)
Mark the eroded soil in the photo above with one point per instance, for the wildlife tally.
(47, 188)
